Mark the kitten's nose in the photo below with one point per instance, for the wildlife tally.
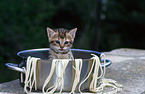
(61, 48)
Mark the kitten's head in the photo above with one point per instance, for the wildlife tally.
(61, 40)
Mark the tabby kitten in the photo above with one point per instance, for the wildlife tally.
(61, 41)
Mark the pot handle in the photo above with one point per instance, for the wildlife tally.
(15, 67)
(108, 62)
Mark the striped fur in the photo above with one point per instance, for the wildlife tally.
(61, 41)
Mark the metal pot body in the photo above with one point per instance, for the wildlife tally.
(44, 67)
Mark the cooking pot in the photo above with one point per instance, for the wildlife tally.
(44, 66)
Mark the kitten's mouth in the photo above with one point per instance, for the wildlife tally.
(63, 51)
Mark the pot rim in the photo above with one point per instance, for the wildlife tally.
(45, 49)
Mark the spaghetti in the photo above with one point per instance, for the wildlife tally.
(59, 66)
(30, 74)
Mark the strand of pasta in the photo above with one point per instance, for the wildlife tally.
(104, 67)
(79, 88)
(104, 82)
(63, 64)
(30, 71)
(93, 83)
(96, 63)
(60, 65)
(50, 74)
(108, 82)
(78, 68)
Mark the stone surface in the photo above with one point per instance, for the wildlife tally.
(12, 87)
(127, 68)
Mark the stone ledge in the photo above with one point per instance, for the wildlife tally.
(126, 52)
(128, 69)
(12, 87)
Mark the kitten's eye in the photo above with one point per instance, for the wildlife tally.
(57, 42)
(66, 42)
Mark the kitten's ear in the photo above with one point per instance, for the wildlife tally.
(50, 32)
(72, 32)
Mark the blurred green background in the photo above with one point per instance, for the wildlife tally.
(23, 26)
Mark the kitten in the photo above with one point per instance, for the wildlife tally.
(61, 41)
